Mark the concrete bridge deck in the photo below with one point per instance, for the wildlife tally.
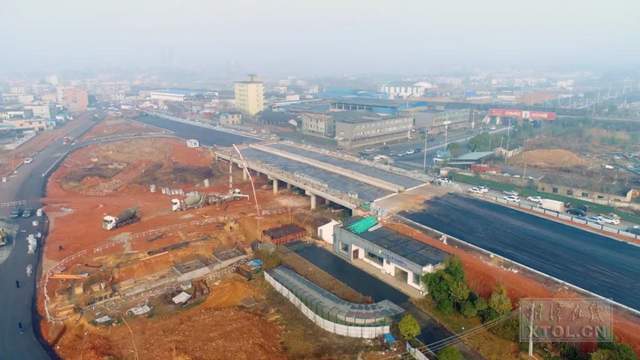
(320, 173)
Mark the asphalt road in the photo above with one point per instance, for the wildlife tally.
(17, 304)
(205, 135)
(590, 261)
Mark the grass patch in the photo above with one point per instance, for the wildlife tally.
(525, 191)
(489, 345)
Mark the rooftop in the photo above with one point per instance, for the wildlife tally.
(329, 305)
(405, 246)
(283, 230)
(474, 156)
(355, 117)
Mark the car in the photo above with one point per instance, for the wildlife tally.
(511, 193)
(594, 219)
(442, 181)
(511, 198)
(609, 220)
(35, 223)
(483, 189)
(535, 199)
(577, 212)
(475, 190)
(27, 213)
(20, 328)
(28, 160)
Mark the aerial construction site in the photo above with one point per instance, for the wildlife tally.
(159, 247)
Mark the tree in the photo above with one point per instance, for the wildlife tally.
(459, 292)
(469, 309)
(409, 327)
(500, 301)
(613, 350)
(449, 353)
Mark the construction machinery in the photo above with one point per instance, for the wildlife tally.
(126, 217)
(196, 200)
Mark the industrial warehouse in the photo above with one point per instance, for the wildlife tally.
(394, 254)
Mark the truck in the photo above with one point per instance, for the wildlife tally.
(196, 200)
(553, 205)
(126, 217)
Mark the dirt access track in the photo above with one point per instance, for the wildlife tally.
(110, 177)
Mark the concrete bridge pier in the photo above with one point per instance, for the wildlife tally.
(275, 186)
(313, 201)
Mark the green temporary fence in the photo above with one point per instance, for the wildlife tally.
(363, 224)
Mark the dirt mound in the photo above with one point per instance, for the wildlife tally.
(170, 174)
(549, 158)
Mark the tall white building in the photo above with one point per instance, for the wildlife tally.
(249, 95)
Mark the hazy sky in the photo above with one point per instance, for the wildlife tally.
(317, 37)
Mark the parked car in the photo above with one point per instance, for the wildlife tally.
(609, 220)
(511, 198)
(475, 190)
(483, 189)
(511, 193)
(27, 213)
(534, 199)
(28, 160)
(577, 212)
(594, 219)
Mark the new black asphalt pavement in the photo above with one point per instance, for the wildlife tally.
(593, 262)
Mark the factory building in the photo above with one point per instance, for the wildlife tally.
(396, 255)
(318, 124)
(437, 121)
(249, 95)
(357, 129)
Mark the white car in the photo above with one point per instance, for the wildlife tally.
(609, 220)
(475, 190)
(511, 198)
(534, 199)
(511, 193)
(28, 160)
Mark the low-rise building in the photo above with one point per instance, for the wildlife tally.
(394, 254)
(624, 196)
(356, 129)
(40, 111)
(435, 121)
(318, 124)
(230, 118)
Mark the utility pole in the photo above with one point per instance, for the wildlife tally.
(531, 330)
(424, 158)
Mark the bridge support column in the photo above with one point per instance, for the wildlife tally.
(244, 174)
(313, 201)
(275, 186)
(288, 186)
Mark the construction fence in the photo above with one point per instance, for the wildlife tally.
(366, 332)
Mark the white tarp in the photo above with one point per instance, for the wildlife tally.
(181, 298)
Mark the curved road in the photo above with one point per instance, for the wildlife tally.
(17, 304)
